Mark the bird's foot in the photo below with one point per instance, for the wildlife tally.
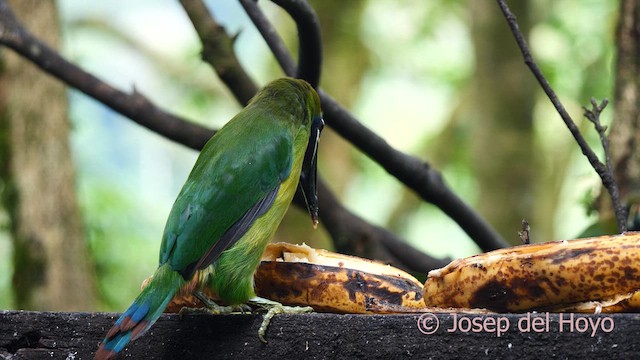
(212, 308)
(272, 308)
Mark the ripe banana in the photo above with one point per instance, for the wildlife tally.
(327, 281)
(603, 270)
(331, 282)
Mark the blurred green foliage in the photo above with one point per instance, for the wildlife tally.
(120, 244)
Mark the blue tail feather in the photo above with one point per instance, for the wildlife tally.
(142, 314)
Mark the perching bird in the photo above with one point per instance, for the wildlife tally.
(231, 204)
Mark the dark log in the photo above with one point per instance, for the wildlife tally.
(43, 335)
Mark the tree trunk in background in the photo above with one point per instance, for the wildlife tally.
(52, 268)
(501, 120)
(625, 130)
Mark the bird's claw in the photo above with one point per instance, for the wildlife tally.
(212, 308)
(273, 308)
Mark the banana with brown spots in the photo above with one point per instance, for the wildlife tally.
(602, 270)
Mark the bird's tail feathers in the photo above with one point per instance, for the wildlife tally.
(143, 313)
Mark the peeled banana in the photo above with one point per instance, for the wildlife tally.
(327, 281)
(594, 274)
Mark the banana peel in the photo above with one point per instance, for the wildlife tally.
(331, 282)
(599, 274)
(327, 281)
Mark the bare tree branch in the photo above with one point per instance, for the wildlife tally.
(604, 171)
(351, 234)
(416, 174)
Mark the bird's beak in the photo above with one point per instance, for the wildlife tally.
(308, 183)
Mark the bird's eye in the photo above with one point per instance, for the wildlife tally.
(317, 123)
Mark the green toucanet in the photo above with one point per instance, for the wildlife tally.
(231, 204)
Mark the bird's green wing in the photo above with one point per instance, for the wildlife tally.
(235, 180)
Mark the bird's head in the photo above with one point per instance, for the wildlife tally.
(309, 115)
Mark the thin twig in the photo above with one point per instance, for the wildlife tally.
(416, 174)
(604, 171)
(593, 115)
(525, 233)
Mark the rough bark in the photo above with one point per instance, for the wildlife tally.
(625, 130)
(51, 267)
(29, 335)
